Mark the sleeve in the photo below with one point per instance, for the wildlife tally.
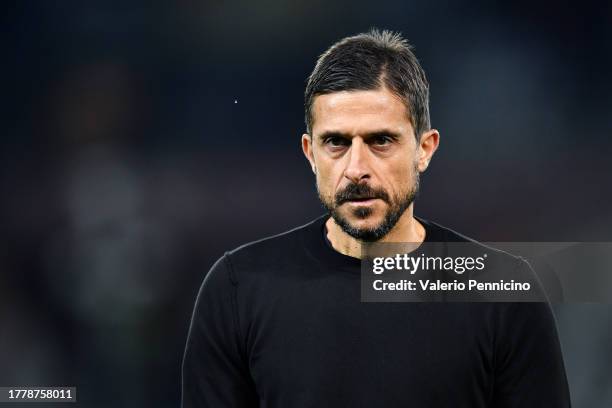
(214, 371)
(529, 368)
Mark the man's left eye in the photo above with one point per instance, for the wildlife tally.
(381, 140)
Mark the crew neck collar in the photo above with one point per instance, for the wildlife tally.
(315, 236)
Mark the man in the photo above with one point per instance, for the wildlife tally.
(279, 322)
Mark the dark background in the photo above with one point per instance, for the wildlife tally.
(141, 140)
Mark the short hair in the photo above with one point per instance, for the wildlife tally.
(369, 61)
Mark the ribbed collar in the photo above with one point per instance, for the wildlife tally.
(319, 247)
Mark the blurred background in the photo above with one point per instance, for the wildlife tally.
(141, 140)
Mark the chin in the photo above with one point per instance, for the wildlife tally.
(360, 221)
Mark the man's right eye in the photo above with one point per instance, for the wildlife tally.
(336, 141)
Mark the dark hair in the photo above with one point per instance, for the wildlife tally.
(368, 61)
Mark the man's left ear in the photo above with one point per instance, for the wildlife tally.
(426, 148)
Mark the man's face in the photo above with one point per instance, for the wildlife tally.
(364, 153)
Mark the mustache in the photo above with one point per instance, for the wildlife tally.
(360, 191)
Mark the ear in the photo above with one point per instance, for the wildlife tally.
(426, 148)
(308, 151)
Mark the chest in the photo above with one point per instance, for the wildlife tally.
(318, 340)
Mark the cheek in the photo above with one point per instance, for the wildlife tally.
(323, 183)
(327, 177)
(401, 177)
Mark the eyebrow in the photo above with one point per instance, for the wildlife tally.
(376, 133)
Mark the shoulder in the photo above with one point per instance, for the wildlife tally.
(274, 250)
(500, 265)
(439, 233)
(502, 260)
(273, 243)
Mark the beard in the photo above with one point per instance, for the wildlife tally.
(396, 206)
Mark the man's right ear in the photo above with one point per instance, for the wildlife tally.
(308, 151)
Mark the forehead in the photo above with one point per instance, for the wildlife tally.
(359, 111)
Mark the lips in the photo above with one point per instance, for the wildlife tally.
(361, 199)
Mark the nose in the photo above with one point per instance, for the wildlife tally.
(357, 168)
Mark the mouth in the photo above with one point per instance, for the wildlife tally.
(361, 200)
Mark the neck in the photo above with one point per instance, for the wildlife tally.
(407, 229)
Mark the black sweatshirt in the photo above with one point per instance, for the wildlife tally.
(278, 323)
